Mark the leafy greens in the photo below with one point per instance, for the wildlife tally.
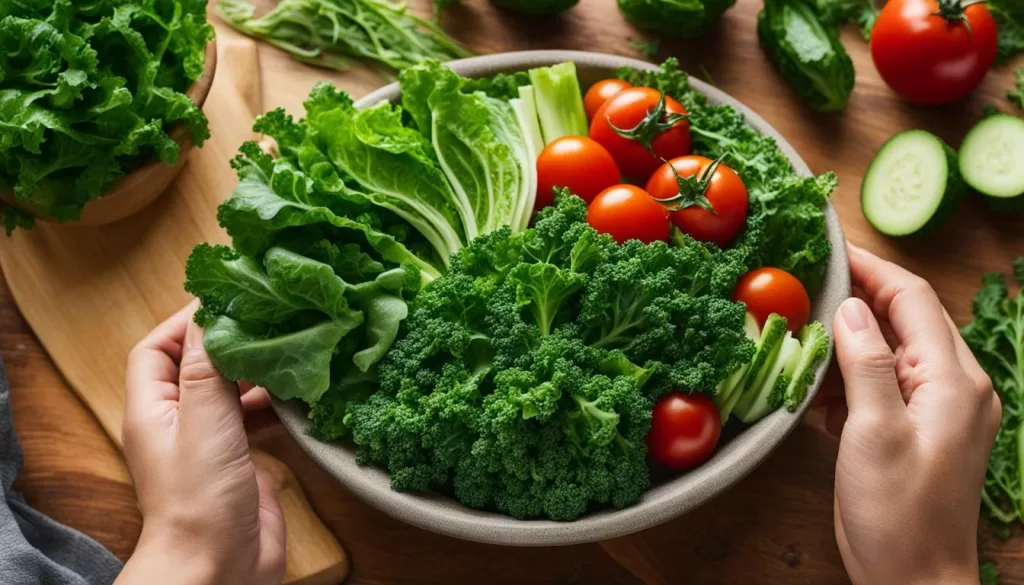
(326, 32)
(996, 337)
(688, 19)
(88, 92)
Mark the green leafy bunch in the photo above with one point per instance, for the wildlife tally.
(326, 33)
(88, 92)
(524, 378)
(312, 291)
(786, 225)
(996, 337)
(675, 18)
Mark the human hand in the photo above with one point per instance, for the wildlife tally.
(915, 437)
(208, 515)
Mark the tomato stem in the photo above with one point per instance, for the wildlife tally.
(651, 126)
(692, 189)
(953, 12)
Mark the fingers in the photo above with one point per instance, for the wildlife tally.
(151, 378)
(867, 364)
(907, 301)
(256, 406)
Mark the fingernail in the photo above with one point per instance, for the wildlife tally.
(855, 313)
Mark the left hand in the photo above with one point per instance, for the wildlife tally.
(209, 516)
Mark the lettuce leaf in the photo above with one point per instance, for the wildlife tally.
(88, 92)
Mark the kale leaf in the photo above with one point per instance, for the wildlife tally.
(88, 93)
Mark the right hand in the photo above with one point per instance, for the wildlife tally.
(916, 431)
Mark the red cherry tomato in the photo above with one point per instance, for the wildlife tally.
(770, 290)
(601, 92)
(624, 111)
(726, 193)
(578, 163)
(684, 430)
(627, 213)
(930, 58)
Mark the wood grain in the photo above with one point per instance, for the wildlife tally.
(775, 527)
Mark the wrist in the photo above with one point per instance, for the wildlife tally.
(165, 558)
(962, 574)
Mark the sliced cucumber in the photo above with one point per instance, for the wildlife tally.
(768, 397)
(912, 186)
(764, 357)
(992, 159)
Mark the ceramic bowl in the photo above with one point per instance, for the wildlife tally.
(732, 461)
(141, 187)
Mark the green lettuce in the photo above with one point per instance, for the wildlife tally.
(88, 92)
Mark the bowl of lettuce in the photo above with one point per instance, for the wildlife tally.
(483, 371)
(100, 103)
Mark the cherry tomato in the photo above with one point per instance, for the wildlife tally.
(684, 430)
(725, 192)
(601, 92)
(770, 290)
(932, 56)
(627, 213)
(578, 163)
(624, 111)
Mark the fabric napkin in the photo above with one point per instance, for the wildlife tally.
(34, 549)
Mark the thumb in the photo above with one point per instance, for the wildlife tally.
(867, 364)
(205, 393)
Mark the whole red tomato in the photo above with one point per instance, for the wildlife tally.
(625, 111)
(771, 290)
(723, 189)
(627, 213)
(601, 92)
(933, 51)
(684, 430)
(575, 162)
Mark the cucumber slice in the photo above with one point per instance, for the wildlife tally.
(764, 358)
(728, 388)
(992, 159)
(912, 186)
(759, 405)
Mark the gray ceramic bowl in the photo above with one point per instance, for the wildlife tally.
(731, 463)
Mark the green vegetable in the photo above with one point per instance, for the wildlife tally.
(1016, 95)
(524, 378)
(326, 32)
(1009, 17)
(990, 160)
(88, 92)
(988, 573)
(367, 206)
(647, 47)
(559, 102)
(862, 12)
(996, 337)
(786, 224)
(537, 7)
(675, 18)
(913, 186)
(807, 51)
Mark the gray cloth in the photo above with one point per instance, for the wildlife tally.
(35, 550)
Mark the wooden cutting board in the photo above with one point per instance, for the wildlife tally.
(91, 293)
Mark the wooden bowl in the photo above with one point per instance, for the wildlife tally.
(735, 457)
(144, 185)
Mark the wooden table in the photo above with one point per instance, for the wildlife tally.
(775, 527)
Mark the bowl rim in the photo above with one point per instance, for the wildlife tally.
(731, 463)
(198, 92)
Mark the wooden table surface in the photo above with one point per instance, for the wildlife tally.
(775, 527)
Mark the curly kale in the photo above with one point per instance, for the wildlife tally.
(524, 378)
